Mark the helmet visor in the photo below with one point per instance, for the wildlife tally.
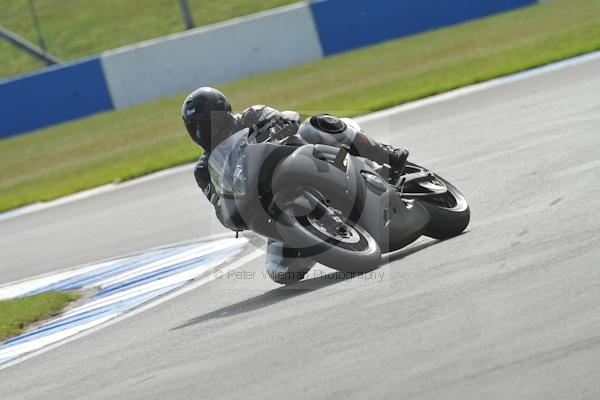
(210, 131)
(200, 131)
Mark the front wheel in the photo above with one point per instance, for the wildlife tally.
(346, 247)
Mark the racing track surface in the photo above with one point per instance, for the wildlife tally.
(510, 309)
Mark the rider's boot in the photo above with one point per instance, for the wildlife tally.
(381, 153)
(284, 265)
(397, 164)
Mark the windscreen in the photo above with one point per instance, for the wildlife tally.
(227, 165)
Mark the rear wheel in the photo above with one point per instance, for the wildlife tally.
(449, 211)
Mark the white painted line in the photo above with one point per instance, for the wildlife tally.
(453, 94)
(194, 285)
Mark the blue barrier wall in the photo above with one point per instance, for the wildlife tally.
(347, 24)
(53, 95)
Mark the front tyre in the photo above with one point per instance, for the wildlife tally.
(347, 248)
(449, 212)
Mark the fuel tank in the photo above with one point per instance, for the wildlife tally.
(329, 130)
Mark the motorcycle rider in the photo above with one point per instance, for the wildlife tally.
(208, 118)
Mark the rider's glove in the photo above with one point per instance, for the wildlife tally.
(285, 128)
(398, 159)
(276, 128)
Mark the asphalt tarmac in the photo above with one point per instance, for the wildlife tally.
(510, 309)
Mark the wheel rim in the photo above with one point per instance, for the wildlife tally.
(451, 200)
(345, 233)
(349, 241)
(447, 196)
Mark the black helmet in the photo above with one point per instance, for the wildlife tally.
(207, 117)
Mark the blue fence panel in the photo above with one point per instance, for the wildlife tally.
(53, 95)
(349, 24)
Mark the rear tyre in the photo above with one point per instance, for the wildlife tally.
(450, 213)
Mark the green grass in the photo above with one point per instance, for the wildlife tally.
(77, 28)
(18, 314)
(127, 143)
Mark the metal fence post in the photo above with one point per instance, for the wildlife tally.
(36, 24)
(187, 15)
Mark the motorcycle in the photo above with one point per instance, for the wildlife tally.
(337, 209)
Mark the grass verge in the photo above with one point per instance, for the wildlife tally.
(16, 315)
(128, 143)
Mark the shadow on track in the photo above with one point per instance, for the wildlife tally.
(287, 292)
(266, 299)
